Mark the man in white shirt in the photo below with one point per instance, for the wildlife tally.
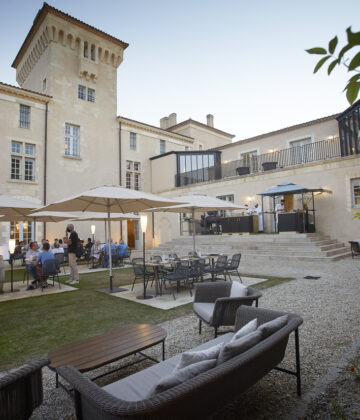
(279, 208)
(258, 211)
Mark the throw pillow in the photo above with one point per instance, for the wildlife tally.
(246, 329)
(191, 357)
(239, 346)
(179, 376)
(272, 326)
(238, 289)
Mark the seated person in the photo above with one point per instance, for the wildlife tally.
(97, 253)
(123, 250)
(45, 255)
(57, 248)
(30, 260)
(106, 252)
(19, 252)
(63, 244)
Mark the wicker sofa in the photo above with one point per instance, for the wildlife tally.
(197, 397)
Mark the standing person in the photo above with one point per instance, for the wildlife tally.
(258, 211)
(279, 208)
(72, 243)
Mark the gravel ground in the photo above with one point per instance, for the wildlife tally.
(330, 309)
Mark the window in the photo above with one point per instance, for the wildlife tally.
(16, 168)
(16, 147)
(20, 164)
(229, 198)
(132, 141)
(355, 190)
(72, 140)
(91, 95)
(250, 160)
(81, 92)
(86, 50)
(24, 120)
(92, 52)
(162, 147)
(133, 175)
(21, 231)
(299, 151)
(29, 169)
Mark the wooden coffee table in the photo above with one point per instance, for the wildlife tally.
(93, 352)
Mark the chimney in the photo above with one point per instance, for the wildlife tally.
(164, 123)
(210, 120)
(172, 119)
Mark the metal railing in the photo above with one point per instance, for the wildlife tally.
(299, 155)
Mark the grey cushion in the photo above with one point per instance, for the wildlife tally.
(190, 357)
(181, 375)
(204, 310)
(238, 289)
(239, 346)
(136, 387)
(272, 326)
(248, 328)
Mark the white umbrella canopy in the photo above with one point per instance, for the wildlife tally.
(102, 217)
(41, 216)
(200, 203)
(110, 199)
(15, 206)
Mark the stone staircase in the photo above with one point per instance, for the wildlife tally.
(292, 247)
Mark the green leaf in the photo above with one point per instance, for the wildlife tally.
(355, 62)
(332, 65)
(353, 37)
(321, 62)
(352, 92)
(316, 50)
(344, 50)
(333, 44)
(354, 78)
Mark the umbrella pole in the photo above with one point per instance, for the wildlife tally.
(110, 256)
(193, 221)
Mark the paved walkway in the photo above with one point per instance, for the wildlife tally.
(330, 309)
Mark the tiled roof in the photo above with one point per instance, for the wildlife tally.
(156, 128)
(49, 9)
(281, 131)
(190, 121)
(6, 85)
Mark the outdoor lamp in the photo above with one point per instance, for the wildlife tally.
(11, 246)
(143, 223)
(11, 260)
(93, 228)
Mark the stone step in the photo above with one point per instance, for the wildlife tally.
(248, 258)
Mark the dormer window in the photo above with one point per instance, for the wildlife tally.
(86, 50)
(92, 52)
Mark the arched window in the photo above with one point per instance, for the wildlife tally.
(93, 52)
(86, 52)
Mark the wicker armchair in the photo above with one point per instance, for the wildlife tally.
(21, 391)
(214, 306)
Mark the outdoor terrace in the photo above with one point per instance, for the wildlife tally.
(278, 159)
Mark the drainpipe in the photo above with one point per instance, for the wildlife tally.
(45, 164)
(121, 223)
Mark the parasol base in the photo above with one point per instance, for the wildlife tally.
(144, 297)
(113, 290)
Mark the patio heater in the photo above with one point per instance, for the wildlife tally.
(11, 261)
(143, 223)
(92, 229)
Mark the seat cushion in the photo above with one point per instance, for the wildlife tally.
(136, 387)
(234, 348)
(190, 357)
(179, 376)
(238, 289)
(272, 326)
(204, 310)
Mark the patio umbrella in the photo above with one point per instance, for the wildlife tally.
(110, 199)
(15, 207)
(198, 202)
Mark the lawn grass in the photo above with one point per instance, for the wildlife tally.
(33, 326)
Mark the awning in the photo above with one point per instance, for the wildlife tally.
(290, 188)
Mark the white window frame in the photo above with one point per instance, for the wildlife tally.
(24, 117)
(82, 92)
(22, 156)
(28, 160)
(133, 141)
(91, 95)
(19, 174)
(133, 175)
(162, 146)
(72, 141)
(355, 183)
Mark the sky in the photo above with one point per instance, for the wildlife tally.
(242, 61)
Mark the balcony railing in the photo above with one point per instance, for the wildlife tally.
(312, 152)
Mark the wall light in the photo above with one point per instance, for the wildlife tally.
(93, 228)
(12, 243)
